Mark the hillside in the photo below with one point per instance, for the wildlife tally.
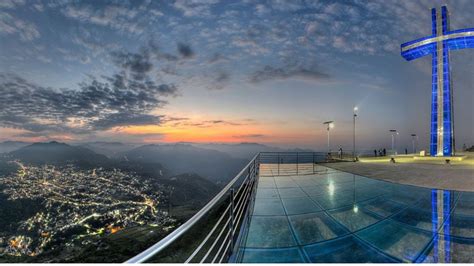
(57, 153)
(9, 146)
(109, 149)
(216, 166)
(190, 192)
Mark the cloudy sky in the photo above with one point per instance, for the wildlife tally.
(223, 71)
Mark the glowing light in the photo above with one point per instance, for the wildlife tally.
(356, 109)
(331, 189)
(355, 209)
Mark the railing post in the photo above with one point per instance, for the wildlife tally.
(257, 162)
(232, 218)
(278, 164)
(254, 169)
(297, 162)
(313, 162)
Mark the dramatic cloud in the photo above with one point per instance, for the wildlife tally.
(123, 99)
(115, 16)
(11, 25)
(185, 50)
(290, 71)
(11, 3)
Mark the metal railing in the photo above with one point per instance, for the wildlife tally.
(296, 163)
(219, 242)
(217, 226)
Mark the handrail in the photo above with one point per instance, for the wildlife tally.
(169, 239)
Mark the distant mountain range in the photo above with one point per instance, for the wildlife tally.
(184, 158)
(244, 150)
(56, 152)
(9, 146)
(109, 149)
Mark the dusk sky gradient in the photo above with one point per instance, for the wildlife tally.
(224, 71)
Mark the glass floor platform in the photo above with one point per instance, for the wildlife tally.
(333, 216)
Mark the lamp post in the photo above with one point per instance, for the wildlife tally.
(414, 137)
(329, 124)
(354, 134)
(394, 132)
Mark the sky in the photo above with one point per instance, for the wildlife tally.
(224, 71)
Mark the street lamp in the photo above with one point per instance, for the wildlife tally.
(394, 132)
(413, 139)
(329, 124)
(354, 134)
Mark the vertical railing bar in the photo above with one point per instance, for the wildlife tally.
(278, 164)
(236, 223)
(297, 162)
(241, 209)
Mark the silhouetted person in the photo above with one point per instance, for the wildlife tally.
(406, 151)
(340, 153)
(384, 152)
(375, 153)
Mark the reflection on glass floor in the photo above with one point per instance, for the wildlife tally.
(333, 216)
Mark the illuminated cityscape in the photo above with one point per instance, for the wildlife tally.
(77, 204)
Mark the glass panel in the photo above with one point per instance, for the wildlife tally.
(315, 227)
(382, 206)
(268, 207)
(354, 218)
(286, 255)
(291, 193)
(395, 239)
(267, 193)
(269, 232)
(346, 249)
(300, 206)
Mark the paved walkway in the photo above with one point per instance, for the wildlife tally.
(458, 176)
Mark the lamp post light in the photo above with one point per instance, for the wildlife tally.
(354, 134)
(394, 133)
(414, 139)
(329, 124)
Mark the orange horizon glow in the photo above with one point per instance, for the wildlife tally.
(198, 131)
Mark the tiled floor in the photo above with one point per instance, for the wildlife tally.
(333, 216)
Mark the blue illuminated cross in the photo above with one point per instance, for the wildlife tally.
(438, 45)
